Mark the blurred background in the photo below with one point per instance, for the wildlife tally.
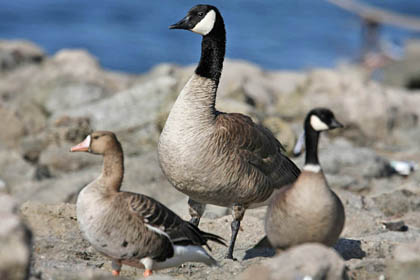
(68, 67)
(133, 36)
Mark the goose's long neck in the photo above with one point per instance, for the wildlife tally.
(113, 170)
(210, 67)
(213, 48)
(311, 142)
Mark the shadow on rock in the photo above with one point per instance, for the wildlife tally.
(349, 249)
(261, 249)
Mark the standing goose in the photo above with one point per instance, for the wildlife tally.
(308, 210)
(214, 157)
(131, 228)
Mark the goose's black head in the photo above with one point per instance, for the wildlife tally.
(321, 119)
(201, 19)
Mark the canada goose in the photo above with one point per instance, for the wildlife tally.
(131, 228)
(308, 210)
(214, 157)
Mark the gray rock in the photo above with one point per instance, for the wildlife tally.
(15, 53)
(398, 202)
(15, 241)
(406, 262)
(12, 126)
(14, 170)
(65, 96)
(282, 131)
(308, 261)
(134, 108)
(351, 98)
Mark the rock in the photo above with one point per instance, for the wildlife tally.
(362, 216)
(56, 188)
(59, 159)
(401, 72)
(14, 170)
(58, 245)
(15, 53)
(308, 261)
(282, 131)
(235, 74)
(79, 65)
(340, 156)
(11, 126)
(73, 95)
(232, 106)
(33, 116)
(15, 241)
(351, 98)
(130, 109)
(397, 203)
(406, 262)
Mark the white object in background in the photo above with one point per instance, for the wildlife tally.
(297, 150)
(2, 186)
(403, 167)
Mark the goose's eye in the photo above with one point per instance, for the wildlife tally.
(96, 137)
(200, 14)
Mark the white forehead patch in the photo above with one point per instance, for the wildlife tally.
(317, 124)
(205, 25)
(87, 141)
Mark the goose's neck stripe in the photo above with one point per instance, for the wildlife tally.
(315, 168)
(213, 47)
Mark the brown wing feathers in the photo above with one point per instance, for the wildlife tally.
(257, 145)
(160, 217)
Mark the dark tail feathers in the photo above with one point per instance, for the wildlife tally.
(212, 237)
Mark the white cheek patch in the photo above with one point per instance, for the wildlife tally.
(317, 124)
(205, 25)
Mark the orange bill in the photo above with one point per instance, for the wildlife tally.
(83, 146)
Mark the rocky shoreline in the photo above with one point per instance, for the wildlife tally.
(47, 104)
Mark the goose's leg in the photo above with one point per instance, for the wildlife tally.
(238, 214)
(116, 267)
(148, 265)
(196, 210)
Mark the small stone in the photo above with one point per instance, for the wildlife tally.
(314, 261)
(395, 226)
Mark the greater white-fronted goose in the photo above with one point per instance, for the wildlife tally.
(308, 210)
(214, 157)
(132, 228)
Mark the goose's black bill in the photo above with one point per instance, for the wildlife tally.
(335, 124)
(182, 24)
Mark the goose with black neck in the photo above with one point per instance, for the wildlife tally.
(213, 157)
(308, 210)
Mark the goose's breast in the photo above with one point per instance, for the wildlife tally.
(210, 174)
(109, 229)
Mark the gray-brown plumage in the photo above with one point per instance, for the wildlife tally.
(132, 228)
(308, 210)
(214, 157)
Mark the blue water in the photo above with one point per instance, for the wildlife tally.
(133, 35)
